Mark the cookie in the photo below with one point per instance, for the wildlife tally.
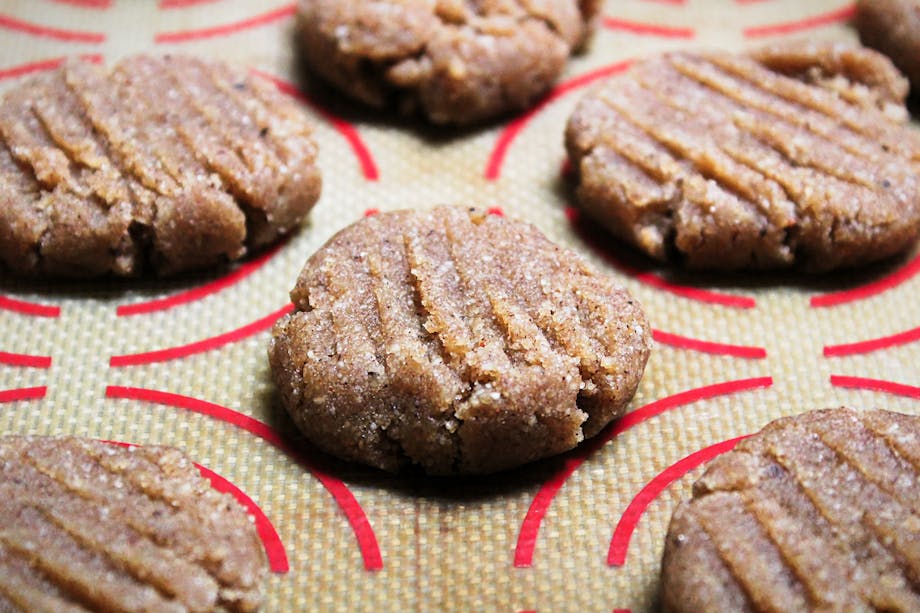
(93, 526)
(454, 340)
(455, 62)
(819, 511)
(796, 155)
(892, 27)
(160, 164)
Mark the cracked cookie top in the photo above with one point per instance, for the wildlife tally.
(455, 61)
(160, 164)
(793, 155)
(456, 340)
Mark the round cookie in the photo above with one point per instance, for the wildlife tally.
(455, 340)
(892, 27)
(455, 62)
(796, 155)
(93, 526)
(816, 512)
(159, 164)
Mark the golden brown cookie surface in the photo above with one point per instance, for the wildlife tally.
(456, 62)
(815, 512)
(157, 164)
(456, 340)
(92, 526)
(795, 155)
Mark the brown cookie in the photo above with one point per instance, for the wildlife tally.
(892, 27)
(817, 512)
(456, 62)
(161, 164)
(93, 526)
(456, 340)
(795, 155)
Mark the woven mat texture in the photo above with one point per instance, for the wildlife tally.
(583, 532)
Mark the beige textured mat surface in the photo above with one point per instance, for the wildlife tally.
(578, 533)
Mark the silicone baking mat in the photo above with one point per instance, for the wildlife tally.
(183, 362)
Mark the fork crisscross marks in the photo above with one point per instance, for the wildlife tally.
(122, 529)
(723, 162)
(477, 344)
(829, 498)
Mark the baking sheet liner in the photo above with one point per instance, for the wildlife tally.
(183, 362)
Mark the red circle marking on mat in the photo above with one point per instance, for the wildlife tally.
(274, 548)
(288, 10)
(33, 29)
(506, 138)
(844, 13)
(652, 279)
(530, 527)
(198, 293)
(182, 351)
(29, 308)
(874, 344)
(347, 130)
(23, 393)
(876, 385)
(692, 344)
(354, 513)
(870, 289)
(648, 29)
(43, 65)
(181, 4)
(27, 361)
(87, 4)
(619, 544)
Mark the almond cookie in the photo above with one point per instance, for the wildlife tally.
(455, 62)
(892, 27)
(455, 340)
(93, 526)
(160, 164)
(795, 155)
(817, 512)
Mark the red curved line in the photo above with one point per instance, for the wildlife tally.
(28, 361)
(875, 344)
(364, 532)
(876, 385)
(29, 308)
(182, 351)
(181, 4)
(23, 393)
(31, 67)
(683, 342)
(497, 157)
(87, 4)
(616, 555)
(182, 36)
(169, 302)
(844, 13)
(371, 212)
(635, 27)
(348, 131)
(530, 528)
(871, 289)
(653, 280)
(274, 548)
(34, 29)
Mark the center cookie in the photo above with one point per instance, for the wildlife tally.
(456, 340)
(457, 62)
(796, 155)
